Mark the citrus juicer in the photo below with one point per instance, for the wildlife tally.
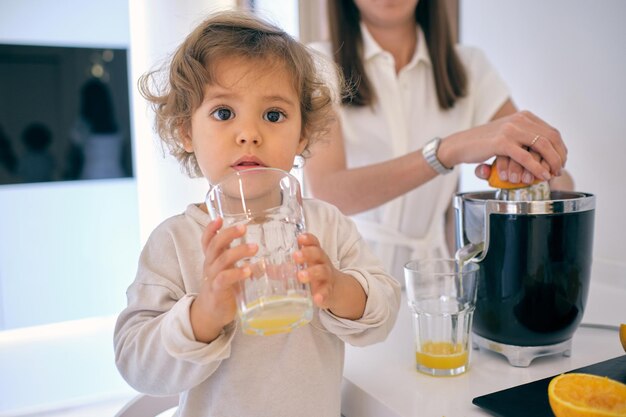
(534, 247)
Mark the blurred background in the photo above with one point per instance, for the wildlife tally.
(70, 236)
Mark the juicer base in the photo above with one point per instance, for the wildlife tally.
(521, 356)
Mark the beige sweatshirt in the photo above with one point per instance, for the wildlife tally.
(237, 375)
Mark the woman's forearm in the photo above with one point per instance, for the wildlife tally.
(359, 189)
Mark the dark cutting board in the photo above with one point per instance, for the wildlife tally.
(532, 399)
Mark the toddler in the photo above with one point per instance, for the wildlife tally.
(241, 93)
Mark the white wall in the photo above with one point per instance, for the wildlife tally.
(68, 250)
(68, 23)
(565, 60)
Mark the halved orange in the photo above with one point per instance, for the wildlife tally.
(622, 335)
(495, 181)
(585, 395)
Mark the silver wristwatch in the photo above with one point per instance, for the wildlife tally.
(430, 155)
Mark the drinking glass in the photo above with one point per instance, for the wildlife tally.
(269, 202)
(442, 297)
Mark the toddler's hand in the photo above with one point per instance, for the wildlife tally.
(215, 305)
(331, 288)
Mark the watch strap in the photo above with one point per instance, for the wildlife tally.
(429, 151)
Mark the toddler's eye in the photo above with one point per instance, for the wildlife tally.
(222, 114)
(274, 116)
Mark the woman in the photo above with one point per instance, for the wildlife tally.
(418, 106)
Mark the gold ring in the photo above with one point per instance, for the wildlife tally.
(535, 139)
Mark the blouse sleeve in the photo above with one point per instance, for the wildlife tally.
(487, 89)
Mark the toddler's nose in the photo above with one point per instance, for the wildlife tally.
(248, 138)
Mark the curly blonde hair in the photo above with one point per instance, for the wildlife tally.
(176, 90)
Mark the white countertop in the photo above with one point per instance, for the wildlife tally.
(381, 380)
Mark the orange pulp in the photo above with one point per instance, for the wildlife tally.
(586, 395)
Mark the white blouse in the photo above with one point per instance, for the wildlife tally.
(404, 117)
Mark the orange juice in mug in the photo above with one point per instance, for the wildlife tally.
(268, 202)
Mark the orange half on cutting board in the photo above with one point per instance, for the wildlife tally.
(622, 335)
(495, 181)
(586, 395)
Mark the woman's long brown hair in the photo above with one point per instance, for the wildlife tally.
(347, 44)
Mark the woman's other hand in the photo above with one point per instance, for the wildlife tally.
(511, 171)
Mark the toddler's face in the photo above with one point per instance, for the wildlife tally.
(249, 118)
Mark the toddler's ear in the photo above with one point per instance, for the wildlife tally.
(185, 136)
(302, 145)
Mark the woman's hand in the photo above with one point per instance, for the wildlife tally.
(524, 138)
(215, 306)
(331, 289)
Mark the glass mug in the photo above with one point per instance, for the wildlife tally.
(269, 202)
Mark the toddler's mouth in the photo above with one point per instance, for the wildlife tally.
(247, 163)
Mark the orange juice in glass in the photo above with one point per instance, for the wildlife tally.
(442, 297)
(441, 355)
